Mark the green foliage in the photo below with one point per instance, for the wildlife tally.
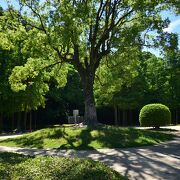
(155, 115)
(25, 66)
(14, 166)
(172, 58)
(138, 78)
(70, 137)
(115, 71)
(83, 34)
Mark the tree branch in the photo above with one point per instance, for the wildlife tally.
(39, 16)
(99, 80)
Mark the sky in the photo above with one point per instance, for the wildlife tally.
(174, 26)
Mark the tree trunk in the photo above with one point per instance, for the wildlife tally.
(25, 120)
(115, 115)
(12, 124)
(176, 116)
(19, 122)
(35, 120)
(90, 116)
(1, 122)
(124, 117)
(30, 121)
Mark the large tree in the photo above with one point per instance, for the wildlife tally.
(83, 32)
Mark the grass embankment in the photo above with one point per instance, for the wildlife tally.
(15, 166)
(69, 137)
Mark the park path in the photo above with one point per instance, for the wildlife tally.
(143, 163)
(2, 137)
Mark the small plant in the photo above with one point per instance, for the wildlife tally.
(155, 115)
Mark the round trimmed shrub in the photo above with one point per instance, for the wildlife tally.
(155, 115)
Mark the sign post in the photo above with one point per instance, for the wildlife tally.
(75, 114)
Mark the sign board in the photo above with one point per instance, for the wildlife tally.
(75, 112)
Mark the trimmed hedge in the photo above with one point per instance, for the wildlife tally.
(15, 166)
(155, 115)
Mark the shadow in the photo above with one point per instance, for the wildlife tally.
(52, 168)
(12, 158)
(56, 133)
(86, 139)
(69, 138)
(163, 130)
(79, 141)
(9, 160)
(25, 141)
(81, 138)
(35, 139)
(113, 137)
(150, 162)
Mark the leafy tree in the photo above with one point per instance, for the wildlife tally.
(145, 82)
(112, 75)
(82, 33)
(172, 58)
(29, 82)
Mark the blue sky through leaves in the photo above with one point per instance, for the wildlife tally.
(174, 26)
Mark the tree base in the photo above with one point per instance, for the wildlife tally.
(157, 128)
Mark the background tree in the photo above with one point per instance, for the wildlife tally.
(141, 83)
(172, 58)
(29, 82)
(113, 74)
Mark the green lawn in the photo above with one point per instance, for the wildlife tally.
(14, 166)
(69, 137)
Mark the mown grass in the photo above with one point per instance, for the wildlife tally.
(15, 166)
(69, 137)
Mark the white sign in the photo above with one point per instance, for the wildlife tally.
(75, 112)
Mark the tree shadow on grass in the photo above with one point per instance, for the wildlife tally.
(79, 142)
(35, 140)
(111, 137)
(89, 138)
(26, 142)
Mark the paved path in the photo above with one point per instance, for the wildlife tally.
(2, 137)
(145, 163)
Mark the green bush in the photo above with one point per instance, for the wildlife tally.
(155, 115)
(14, 166)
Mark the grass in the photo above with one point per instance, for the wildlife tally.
(15, 166)
(69, 137)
